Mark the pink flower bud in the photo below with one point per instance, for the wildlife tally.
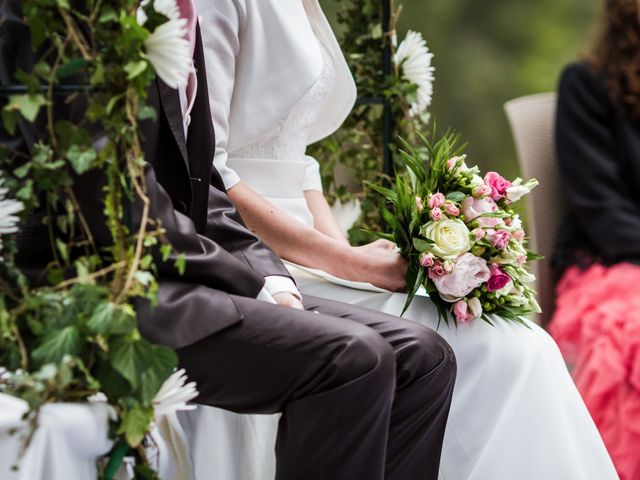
(436, 214)
(522, 259)
(451, 163)
(481, 191)
(478, 233)
(427, 259)
(419, 204)
(518, 235)
(436, 200)
(451, 209)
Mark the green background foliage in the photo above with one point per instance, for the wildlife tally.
(489, 52)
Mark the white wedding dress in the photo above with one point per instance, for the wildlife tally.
(516, 413)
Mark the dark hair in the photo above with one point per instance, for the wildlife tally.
(616, 54)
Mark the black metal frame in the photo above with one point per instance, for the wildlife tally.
(387, 165)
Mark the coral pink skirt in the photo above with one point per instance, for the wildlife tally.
(597, 326)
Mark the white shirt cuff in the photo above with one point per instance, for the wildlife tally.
(265, 296)
(275, 284)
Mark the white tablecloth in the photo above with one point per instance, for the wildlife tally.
(69, 439)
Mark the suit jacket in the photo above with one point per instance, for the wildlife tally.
(598, 152)
(222, 257)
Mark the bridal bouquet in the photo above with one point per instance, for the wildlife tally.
(463, 240)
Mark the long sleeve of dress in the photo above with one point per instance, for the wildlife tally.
(221, 25)
(592, 169)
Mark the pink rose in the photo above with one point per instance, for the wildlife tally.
(499, 238)
(498, 185)
(435, 214)
(469, 273)
(481, 191)
(518, 235)
(466, 311)
(451, 209)
(478, 233)
(419, 204)
(473, 208)
(498, 279)
(427, 259)
(436, 200)
(436, 271)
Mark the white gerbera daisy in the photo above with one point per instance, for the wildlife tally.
(166, 47)
(174, 394)
(414, 57)
(9, 208)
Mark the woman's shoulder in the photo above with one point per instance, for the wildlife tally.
(581, 78)
(581, 84)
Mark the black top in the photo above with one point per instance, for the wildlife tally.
(598, 152)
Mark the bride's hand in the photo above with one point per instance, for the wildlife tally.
(379, 263)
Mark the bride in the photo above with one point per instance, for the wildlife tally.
(278, 81)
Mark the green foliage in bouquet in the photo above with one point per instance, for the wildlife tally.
(74, 334)
(460, 233)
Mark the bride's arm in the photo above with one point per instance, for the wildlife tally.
(376, 263)
(323, 218)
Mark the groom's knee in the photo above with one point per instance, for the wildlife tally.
(422, 352)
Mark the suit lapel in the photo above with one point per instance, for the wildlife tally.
(171, 106)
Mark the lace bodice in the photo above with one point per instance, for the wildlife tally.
(288, 139)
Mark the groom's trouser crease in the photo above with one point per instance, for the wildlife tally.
(335, 381)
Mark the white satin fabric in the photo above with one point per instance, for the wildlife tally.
(516, 413)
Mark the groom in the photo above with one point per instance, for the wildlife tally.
(363, 395)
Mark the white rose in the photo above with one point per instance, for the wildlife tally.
(468, 274)
(450, 237)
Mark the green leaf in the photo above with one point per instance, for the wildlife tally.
(111, 319)
(72, 67)
(66, 341)
(456, 197)
(163, 361)
(135, 424)
(129, 358)
(147, 112)
(27, 105)
(10, 120)
(165, 251)
(181, 263)
(135, 69)
(63, 249)
(82, 160)
(422, 244)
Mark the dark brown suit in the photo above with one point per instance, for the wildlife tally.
(363, 395)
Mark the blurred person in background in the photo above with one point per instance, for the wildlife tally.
(597, 317)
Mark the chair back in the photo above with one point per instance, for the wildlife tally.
(532, 121)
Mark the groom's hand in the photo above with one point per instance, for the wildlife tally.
(287, 299)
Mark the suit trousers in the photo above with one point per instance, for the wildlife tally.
(363, 395)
